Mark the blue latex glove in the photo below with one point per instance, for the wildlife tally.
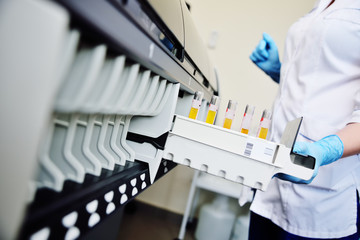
(325, 151)
(266, 57)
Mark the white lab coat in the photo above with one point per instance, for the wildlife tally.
(320, 80)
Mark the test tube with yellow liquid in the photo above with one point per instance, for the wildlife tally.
(264, 124)
(213, 108)
(230, 114)
(246, 122)
(196, 104)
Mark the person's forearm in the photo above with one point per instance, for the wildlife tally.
(350, 136)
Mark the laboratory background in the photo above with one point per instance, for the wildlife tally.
(229, 31)
(236, 27)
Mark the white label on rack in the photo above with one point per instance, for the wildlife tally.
(248, 149)
(268, 151)
(259, 150)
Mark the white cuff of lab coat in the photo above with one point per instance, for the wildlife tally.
(355, 117)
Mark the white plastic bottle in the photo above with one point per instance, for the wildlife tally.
(215, 220)
(241, 227)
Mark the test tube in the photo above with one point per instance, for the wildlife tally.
(213, 108)
(195, 105)
(246, 122)
(230, 114)
(264, 124)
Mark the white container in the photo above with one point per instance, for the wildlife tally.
(241, 227)
(215, 220)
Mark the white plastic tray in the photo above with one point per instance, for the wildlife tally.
(230, 154)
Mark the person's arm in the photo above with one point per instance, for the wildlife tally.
(327, 150)
(350, 136)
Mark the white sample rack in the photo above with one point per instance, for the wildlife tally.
(235, 156)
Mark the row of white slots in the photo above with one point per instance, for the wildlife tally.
(92, 81)
(101, 89)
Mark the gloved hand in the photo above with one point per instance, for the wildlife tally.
(266, 57)
(325, 151)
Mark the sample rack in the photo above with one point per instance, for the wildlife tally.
(235, 156)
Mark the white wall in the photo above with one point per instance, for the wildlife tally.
(239, 25)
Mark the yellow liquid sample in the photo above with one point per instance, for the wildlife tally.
(210, 117)
(193, 113)
(245, 131)
(227, 123)
(263, 133)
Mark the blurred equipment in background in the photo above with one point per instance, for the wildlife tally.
(215, 220)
